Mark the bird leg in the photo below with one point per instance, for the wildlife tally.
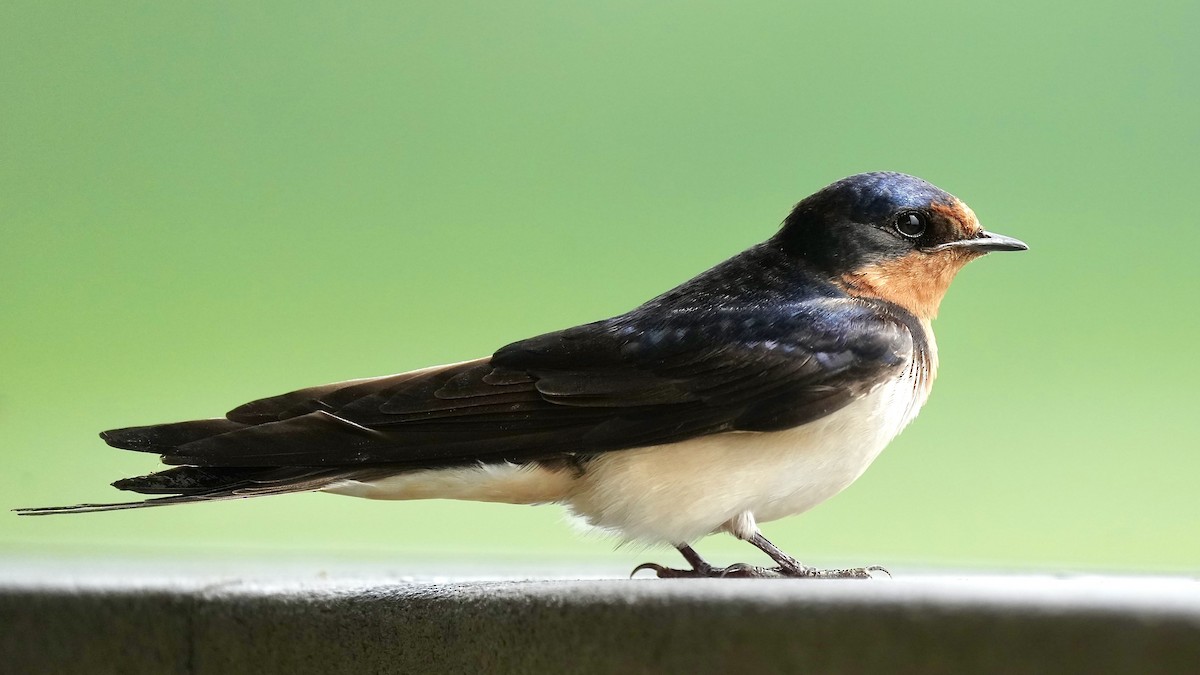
(787, 566)
(790, 567)
(701, 569)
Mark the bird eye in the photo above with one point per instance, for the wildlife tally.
(911, 224)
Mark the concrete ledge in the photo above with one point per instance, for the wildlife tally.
(77, 619)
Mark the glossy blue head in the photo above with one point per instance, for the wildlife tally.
(871, 218)
(888, 235)
(870, 197)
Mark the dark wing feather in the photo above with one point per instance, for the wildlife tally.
(634, 380)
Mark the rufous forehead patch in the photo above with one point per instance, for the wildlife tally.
(961, 215)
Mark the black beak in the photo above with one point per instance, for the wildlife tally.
(985, 242)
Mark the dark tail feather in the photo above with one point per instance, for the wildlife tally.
(121, 506)
(188, 484)
(183, 480)
(163, 438)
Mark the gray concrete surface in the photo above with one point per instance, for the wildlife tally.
(112, 617)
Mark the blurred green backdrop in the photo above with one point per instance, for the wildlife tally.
(205, 203)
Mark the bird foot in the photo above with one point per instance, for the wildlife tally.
(738, 571)
(805, 572)
(745, 571)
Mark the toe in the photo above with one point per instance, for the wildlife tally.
(798, 571)
(745, 571)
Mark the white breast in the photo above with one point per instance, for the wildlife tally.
(680, 492)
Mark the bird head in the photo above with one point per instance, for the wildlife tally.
(890, 236)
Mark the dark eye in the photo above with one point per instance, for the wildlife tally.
(911, 224)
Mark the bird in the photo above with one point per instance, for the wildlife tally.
(752, 392)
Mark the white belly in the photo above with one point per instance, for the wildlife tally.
(680, 492)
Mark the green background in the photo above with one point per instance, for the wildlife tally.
(205, 203)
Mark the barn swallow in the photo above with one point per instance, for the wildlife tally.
(755, 391)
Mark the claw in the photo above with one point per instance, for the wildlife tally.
(671, 573)
(658, 569)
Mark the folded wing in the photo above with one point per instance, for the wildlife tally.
(620, 383)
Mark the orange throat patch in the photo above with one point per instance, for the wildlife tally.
(917, 282)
